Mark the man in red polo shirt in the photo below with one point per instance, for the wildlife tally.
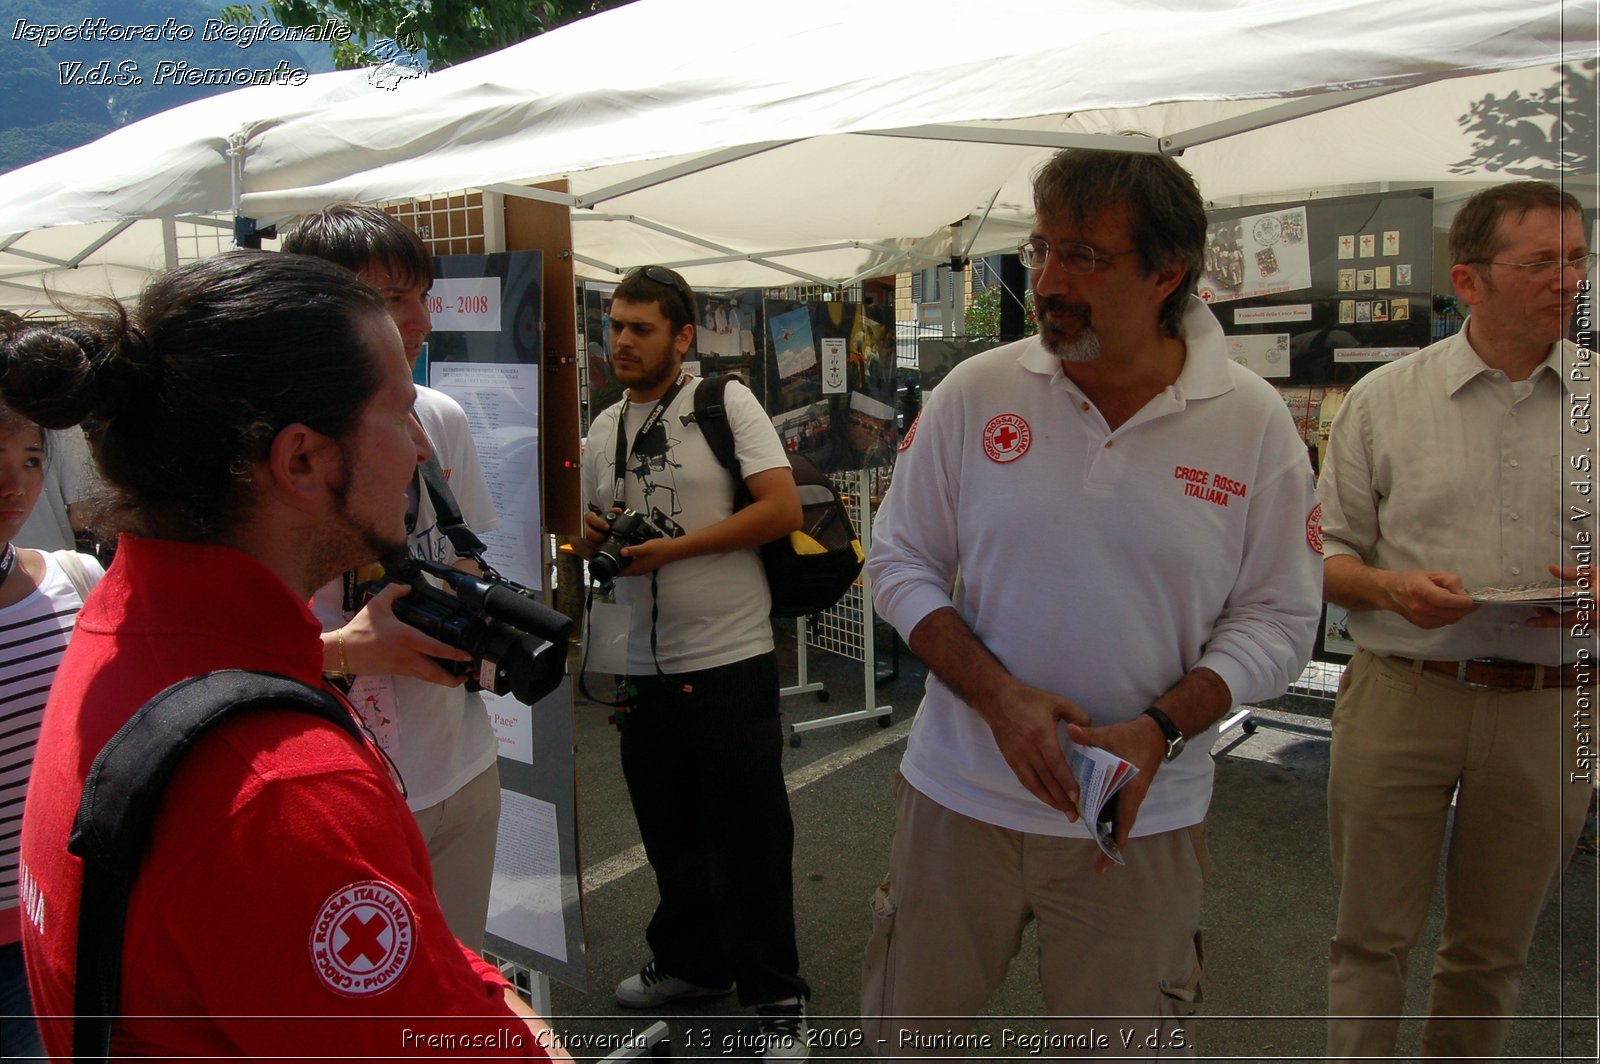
(252, 420)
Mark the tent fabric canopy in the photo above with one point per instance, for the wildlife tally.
(756, 146)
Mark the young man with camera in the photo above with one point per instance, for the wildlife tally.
(436, 732)
(701, 738)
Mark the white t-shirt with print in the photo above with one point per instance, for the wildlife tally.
(713, 609)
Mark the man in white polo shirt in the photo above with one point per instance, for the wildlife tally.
(1128, 513)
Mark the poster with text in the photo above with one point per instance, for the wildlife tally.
(485, 353)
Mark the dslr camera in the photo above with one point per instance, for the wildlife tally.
(628, 528)
(518, 644)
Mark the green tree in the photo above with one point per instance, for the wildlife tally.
(446, 31)
(983, 313)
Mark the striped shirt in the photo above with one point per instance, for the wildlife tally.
(33, 634)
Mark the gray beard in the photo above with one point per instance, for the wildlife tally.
(1085, 347)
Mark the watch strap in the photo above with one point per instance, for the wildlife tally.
(1170, 730)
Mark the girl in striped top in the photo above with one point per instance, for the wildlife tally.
(40, 594)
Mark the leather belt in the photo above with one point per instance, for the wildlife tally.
(1501, 674)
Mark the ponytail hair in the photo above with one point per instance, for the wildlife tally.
(183, 395)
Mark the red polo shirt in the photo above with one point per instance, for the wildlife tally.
(285, 877)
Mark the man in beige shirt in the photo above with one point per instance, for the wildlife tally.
(1445, 474)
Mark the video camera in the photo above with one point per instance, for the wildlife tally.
(518, 644)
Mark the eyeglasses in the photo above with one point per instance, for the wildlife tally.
(1074, 258)
(1546, 268)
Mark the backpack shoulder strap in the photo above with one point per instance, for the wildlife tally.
(121, 798)
(711, 414)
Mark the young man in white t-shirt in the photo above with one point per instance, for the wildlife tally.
(701, 738)
(436, 732)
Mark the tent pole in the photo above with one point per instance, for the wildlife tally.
(494, 221)
(169, 242)
(242, 226)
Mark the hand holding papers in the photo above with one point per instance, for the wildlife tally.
(1554, 595)
(1100, 774)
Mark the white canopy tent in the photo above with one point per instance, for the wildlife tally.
(97, 220)
(752, 144)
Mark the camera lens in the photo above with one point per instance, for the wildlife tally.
(607, 561)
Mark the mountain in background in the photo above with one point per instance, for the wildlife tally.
(43, 116)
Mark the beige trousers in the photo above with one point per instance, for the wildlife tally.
(1119, 957)
(460, 832)
(1403, 742)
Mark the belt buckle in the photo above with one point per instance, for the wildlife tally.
(1461, 673)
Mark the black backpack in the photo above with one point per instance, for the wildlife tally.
(808, 570)
(121, 797)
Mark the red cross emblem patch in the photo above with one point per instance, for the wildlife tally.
(363, 938)
(1006, 438)
(1314, 528)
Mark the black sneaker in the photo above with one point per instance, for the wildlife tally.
(783, 1030)
(653, 986)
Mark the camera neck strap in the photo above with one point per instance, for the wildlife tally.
(619, 501)
(619, 466)
(626, 687)
(447, 511)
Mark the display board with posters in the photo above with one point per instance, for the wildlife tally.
(829, 381)
(938, 355)
(1320, 292)
(486, 353)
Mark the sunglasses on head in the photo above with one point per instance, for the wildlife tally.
(663, 276)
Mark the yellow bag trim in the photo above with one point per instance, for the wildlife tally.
(804, 544)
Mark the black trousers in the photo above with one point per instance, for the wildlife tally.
(702, 755)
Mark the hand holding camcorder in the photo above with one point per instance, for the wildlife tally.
(518, 644)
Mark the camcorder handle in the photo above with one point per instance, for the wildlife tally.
(502, 600)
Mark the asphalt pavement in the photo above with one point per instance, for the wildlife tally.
(1267, 916)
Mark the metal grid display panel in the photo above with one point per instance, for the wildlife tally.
(448, 225)
(842, 628)
(1319, 680)
(199, 240)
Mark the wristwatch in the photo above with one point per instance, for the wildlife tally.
(1175, 739)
